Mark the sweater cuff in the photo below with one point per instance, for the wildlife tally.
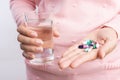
(117, 30)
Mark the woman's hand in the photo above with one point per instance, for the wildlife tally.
(29, 42)
(74, 56)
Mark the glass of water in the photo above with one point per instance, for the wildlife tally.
(40, 23)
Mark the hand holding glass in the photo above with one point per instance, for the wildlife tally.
(43, 27)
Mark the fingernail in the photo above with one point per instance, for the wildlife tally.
(61, 66)
(39, 41)
(40, 49)
(60, 69)
(103, 55)
(34, 34)
(28, 56)
(62, 60)
(73, 66)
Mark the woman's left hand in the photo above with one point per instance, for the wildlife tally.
(74, 56)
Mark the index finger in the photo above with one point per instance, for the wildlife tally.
(22, 29)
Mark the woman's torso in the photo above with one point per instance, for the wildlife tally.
(74, 19)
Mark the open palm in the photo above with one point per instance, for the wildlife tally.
(74, 56)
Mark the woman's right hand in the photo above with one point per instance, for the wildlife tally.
(29, 42)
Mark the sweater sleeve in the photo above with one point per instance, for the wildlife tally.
(115, 24)
(19, 7)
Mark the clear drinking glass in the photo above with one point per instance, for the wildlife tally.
(40, 23)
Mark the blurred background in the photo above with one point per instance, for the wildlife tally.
(12, 65)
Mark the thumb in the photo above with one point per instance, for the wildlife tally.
(55, 32)
(106, 48)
